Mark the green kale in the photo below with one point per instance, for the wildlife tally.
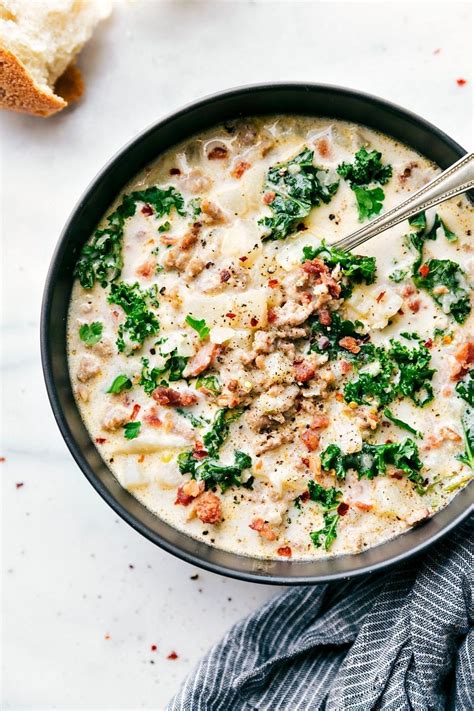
(467, 457)
(132, 429)
(366, 168)
(325, 339)
(199, 326)
(140, 322)
(91, 333)
(217, 434)
(209, 382)
(373, 459)
(298, 187)
(465, 388)
(446, 276)
(194, 420)
(101, 258)
(164, 227)
(355, 268)
(398, 275)
(120, 384)
(369, 201)
(213, 472)
(171, 370)
(328, 534)
(328, 498)
(413, 372)
(400, 423)
(194, 207)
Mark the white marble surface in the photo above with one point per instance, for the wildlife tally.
(85, 596)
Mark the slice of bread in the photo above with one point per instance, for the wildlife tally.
(39, 40)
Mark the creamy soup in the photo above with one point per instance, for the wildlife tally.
(250, 384)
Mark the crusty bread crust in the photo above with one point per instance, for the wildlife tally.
(70, 85)
(19, 92)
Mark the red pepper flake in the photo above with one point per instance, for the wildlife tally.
(272, 283)
(253, 321)
(243, 259)
(19, 484)
(175, 171)
(343, 508)
(429, 343)
(135, 411)
(172, 655)
(147, 210)
(305, 461)
(284, 551)
(153, 648)
(100, 440)
(380, 297)
(461, 82)
(230, 315)
(424, 270)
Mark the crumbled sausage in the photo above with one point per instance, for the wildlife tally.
(263, 529)
(88, 368)
(209, 507)
(304, 370)
(174, 398)
(350, 344)
(310, 439)
(115, 417)
(205, 356)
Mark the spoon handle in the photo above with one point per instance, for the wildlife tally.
(458, 178)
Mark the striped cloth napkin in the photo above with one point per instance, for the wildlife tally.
(397, 641)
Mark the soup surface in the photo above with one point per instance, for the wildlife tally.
(250, 384)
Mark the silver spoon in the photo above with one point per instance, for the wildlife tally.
(457, 179)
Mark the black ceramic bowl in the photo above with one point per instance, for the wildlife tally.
(307, 99)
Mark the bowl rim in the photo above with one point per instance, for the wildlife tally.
(52, 389)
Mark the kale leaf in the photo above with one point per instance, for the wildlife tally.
(369, 201)
(121, 383)
(217, 434)
(209, 382)
(214, 472)
(194, 420)
(328, 498)
(91, 333)
(132, 429)
(326, 338)
(465, 388)
(140, 322)
(298, 186)
(400, 423)
(444, 279)
(467, 457)
(366, 168)
(172, 369)
(355, 268)
(101, 258)
(328, 534)
(199, 326)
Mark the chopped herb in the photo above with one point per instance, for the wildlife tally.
(91, 333)
(328, 534)
(465, 388)
(213, 472)
(194, 207)
(398, 275)
(355, 268)
(326, 338)
(467, 457)
(140, 322)
(366, 168)
(199, 326)
(369, 201)
(210, 382)
(132, 429)
(446, 282)
(194, 420)
(298, 187)
(401, 424)
(216, 436)
(328, 498)
(120, 384)
(164, 227)
(373, 459)
(172, 369)
(101, 258)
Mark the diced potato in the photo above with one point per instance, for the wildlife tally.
(243, 306)
(241, 239)
(149, 443)
(363, 305)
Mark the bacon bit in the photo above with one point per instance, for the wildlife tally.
(284, 551)
(324, 316)
(345, 366)
(401, 312)
(339, 397)
(350, 344)
(173, 398)
(188, 491)
(147, 210)
(322, 274)
(397, 474)
(273, 283)
(3, 459)
(225, 275)
(243, 259)
(306, 297)
(319, 422)
(19, 484)
(271, 315)
(254, 321)
(304, 370)
(147, 269)
(464, 357)
(305, 461)
(205, 356)
(424, 270)
(461, 82)
(263, 528)
(429, 343)
(141, 458)
(414, 305)
(230, 315)
(135, 411)
(240, 169)
(217, 153)
(380, 297)
(153, 646)
(200, 453)
(343, 508)
(172, 655)
(324, 149)
(152, 419)
(304, 496)
(100, 440)
(310, 439)
(268, 198)
(208, 507)
(175, 171)
(450, 434)
(408, 290)
(362, 506)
